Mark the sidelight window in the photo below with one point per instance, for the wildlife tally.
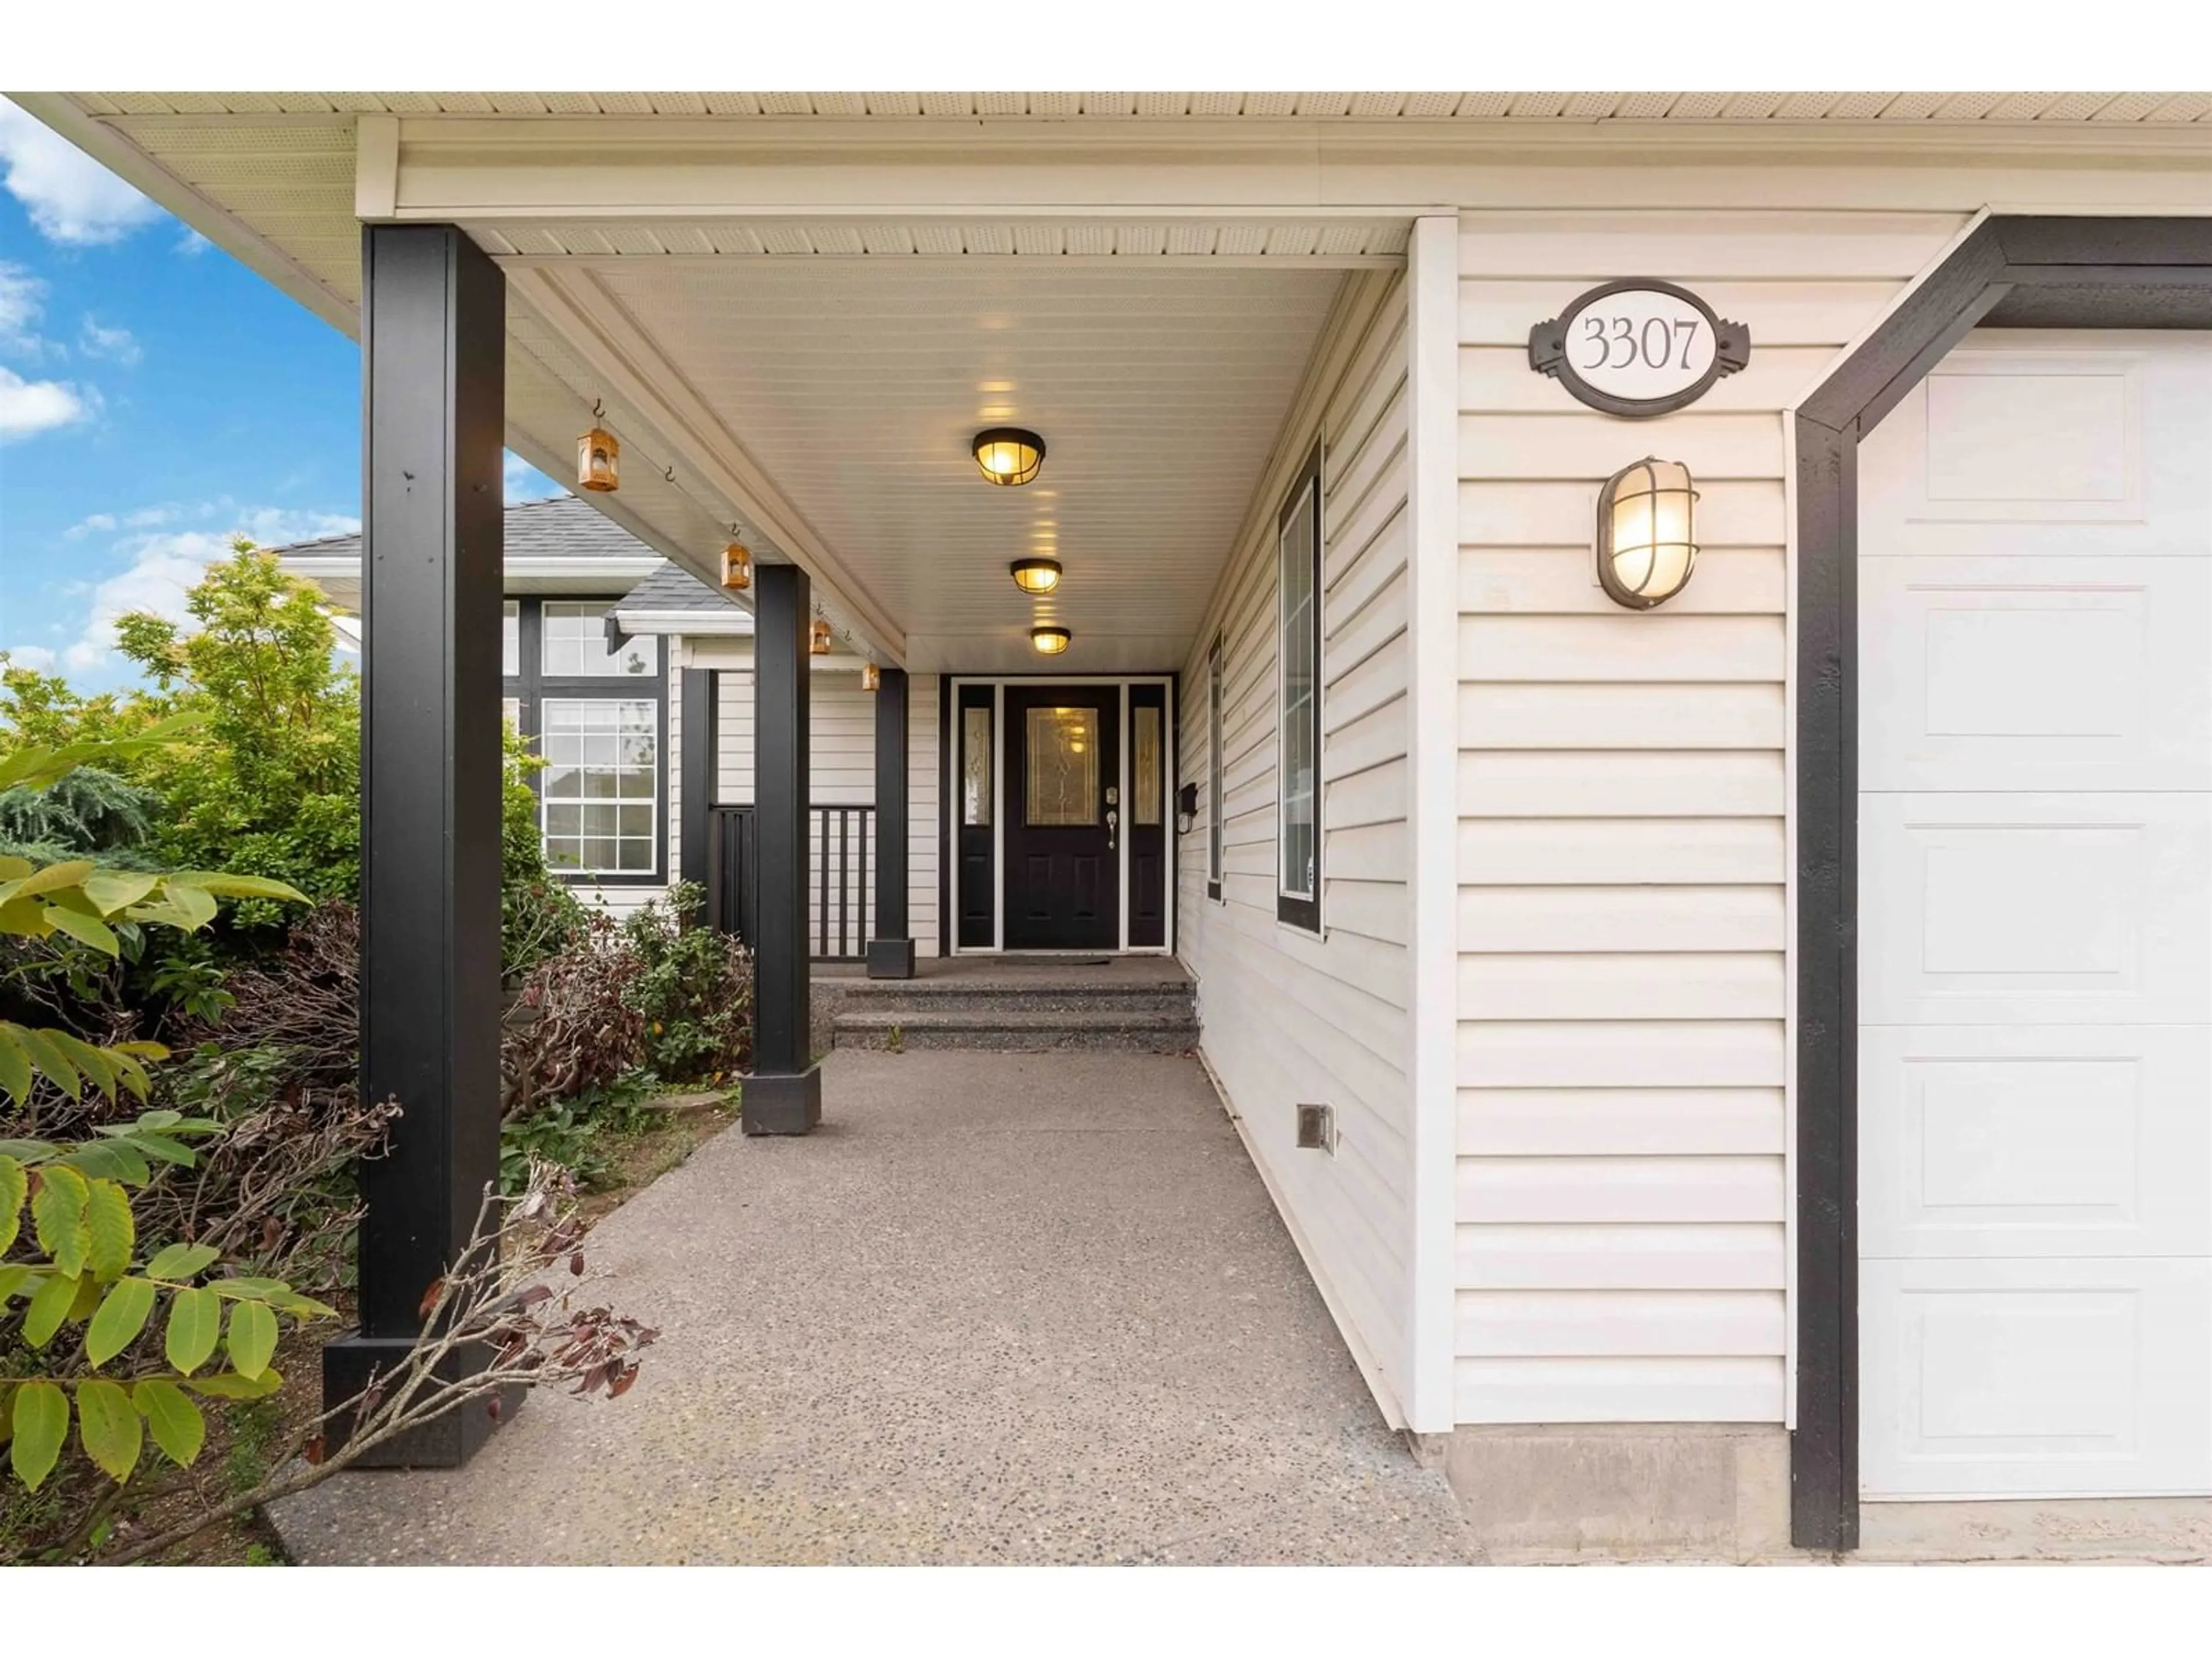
(1297, 760)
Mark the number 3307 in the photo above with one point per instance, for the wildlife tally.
(1619, 343)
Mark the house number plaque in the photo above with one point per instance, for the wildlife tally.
(1638, 348)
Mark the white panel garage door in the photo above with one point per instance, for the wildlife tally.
(2035, 923)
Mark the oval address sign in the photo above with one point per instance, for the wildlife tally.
(1638, 347)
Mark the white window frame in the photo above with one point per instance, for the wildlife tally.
(1298, 906)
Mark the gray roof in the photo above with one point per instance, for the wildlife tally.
(564, 527)
(672, 588)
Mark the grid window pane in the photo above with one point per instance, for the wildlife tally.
(576, 644)
(599, 796)
(510, 638)
(1299, 701)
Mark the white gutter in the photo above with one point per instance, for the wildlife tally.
(684, 622)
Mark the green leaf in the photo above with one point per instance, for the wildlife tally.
(195, 904)
(229, 1385)
(179, 1263)
(159, 1146)
(14, 1277)
(86, 930)
(41, 1418)
(122, 1315)
(99, 1069)
(116, 890)
(70, 872)
(252, 1339)
(109, 1159)
(30, 1152)
(57, 1212)
(14, 1186)
(49, 1061)
(224, 885)
(112, 1230)
(14, 1066)
(48, 1309)
(179, 1428)
(162, 1119)
(12, 868)
(107, 1425)
(195, 1326)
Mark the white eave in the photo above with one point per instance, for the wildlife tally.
(719, 623)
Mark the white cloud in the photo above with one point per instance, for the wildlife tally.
(163, 568)
(69, 197)
(85, 527)
(191, 242)
(117, 344)
(22, 302)
(30, 407)
(36, 657)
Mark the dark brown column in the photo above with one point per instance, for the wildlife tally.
(783, 1097)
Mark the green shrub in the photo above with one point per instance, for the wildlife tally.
(694, 985)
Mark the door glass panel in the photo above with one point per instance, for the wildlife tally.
(1063, 768)
(1145, 776)
(974, 766)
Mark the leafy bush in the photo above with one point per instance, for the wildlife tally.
(694, 986)
(571, 1135)
(268, 781)
(571, 1029)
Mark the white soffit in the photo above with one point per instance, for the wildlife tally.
(1255, 106)
(857, 386)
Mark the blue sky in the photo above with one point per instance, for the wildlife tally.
(155, 397)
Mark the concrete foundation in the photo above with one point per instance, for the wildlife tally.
(1621, 1491)
(2177, 1529)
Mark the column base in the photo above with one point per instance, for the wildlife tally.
(786, 1103)
(890, 958)
(446, 1442)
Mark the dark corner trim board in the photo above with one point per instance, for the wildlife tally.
(2011, 271)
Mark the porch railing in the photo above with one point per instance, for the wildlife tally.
(841, 877)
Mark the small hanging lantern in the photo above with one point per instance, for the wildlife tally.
(1035, 575)
(1647, 542)
(736, 567)
(599, 460)
(871, 677)
(1008, 455)
(818, 645)
(1050, 642)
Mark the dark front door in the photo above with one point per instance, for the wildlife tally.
(1064, 817)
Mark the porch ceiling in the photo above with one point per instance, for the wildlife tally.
(855, 386)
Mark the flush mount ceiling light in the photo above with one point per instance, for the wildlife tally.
(1050, 642)
(1008, 455)
(736, 567)
(818, 642)
(599, 460)
(1647, 543)
(1035, 575)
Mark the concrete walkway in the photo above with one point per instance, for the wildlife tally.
(1001, 1308)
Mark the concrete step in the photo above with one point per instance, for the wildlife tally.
(1134, 1030)
(922, 995)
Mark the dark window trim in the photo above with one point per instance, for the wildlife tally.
(1300, 913)
(2013, 271)
(533, 685)
(1217, 788)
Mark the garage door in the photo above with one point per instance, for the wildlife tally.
(2035, 923)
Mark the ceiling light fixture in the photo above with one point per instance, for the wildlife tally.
(1008, 455)
(1035, 575)
(1050, 642)
(736, 567)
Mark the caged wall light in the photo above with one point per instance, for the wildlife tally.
(1035, 575)
(1050, 642)
(1647, 542)
(1008, 455)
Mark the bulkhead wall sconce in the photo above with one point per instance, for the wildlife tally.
(1647, 544)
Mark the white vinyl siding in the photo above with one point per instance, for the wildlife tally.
(1622, 1191)
(843, 764)
(1289, 1017)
